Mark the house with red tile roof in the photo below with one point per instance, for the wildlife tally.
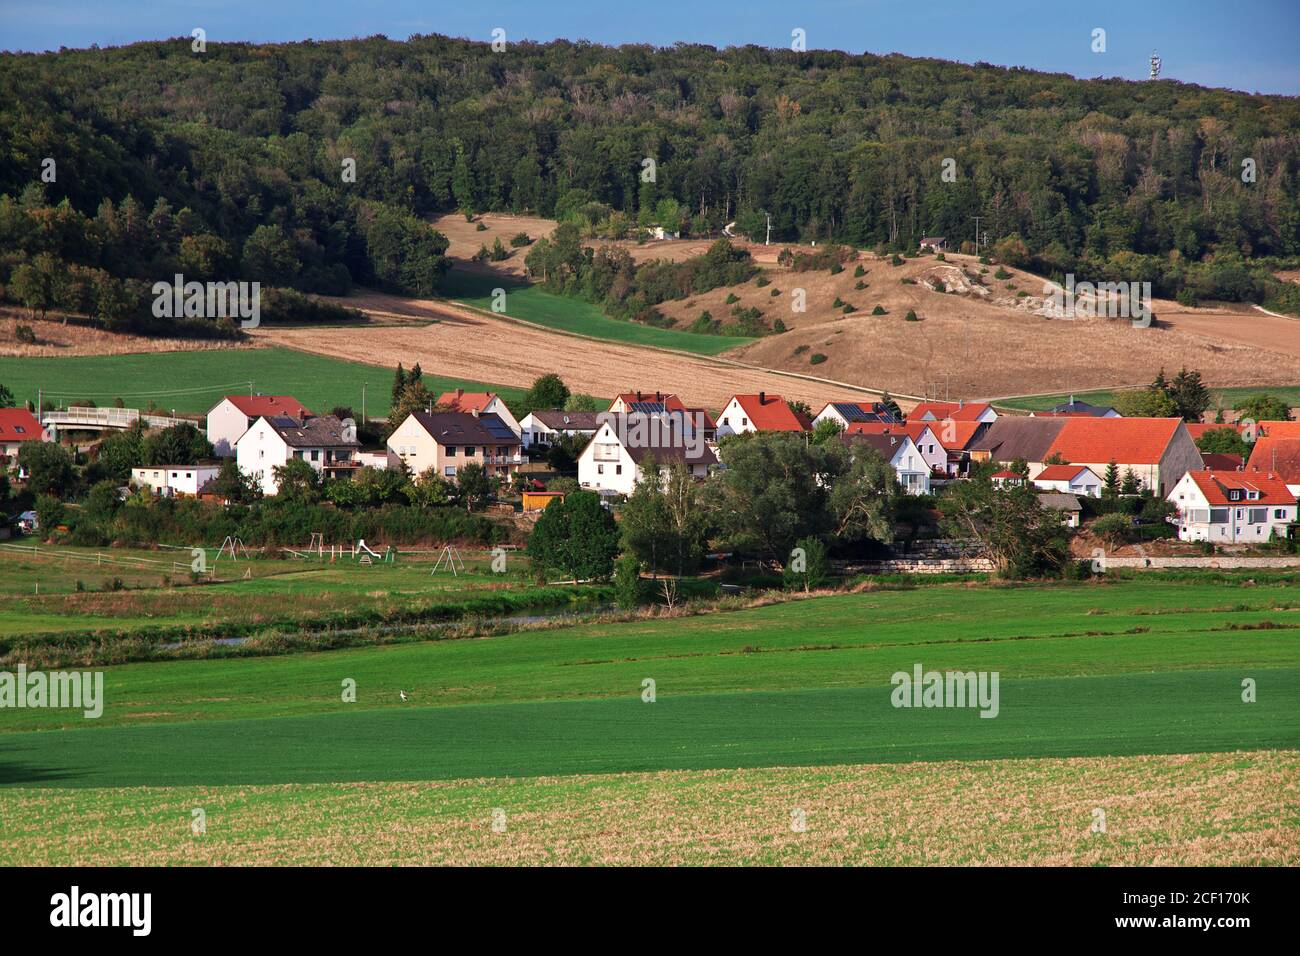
(1070, 480)
(901, 452)
(481, 403)
(651, 403)
(236, 414)
(957, 411)
(923, 436)
(1232, 507)
(1197, 429)
(1222, 461)
(1277, 456)
(763, 412)
(18, 426)
(1159, 451)
(852, 413)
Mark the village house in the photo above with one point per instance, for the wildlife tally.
(170, 480)
(902, 454)
(235, 414)
(1073, 407)
(544, 426)
(934, 243)
(922, 435)
(448, 441)
(958, 411)
(763, 412)
(650, 403)
(1069, 479)
(484, 403)
(1159, 451)
(1232, 507)
(326, 443)
(852, 413)
(615, 459)
(18, 426)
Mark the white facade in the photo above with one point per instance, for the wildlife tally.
(734, 420)
(226, 424)
(532, 430)
(1249, 520)
(259, 451)
(1085, 482)
(931, 449)
(911, 467)
(174, 479)
(607, 467)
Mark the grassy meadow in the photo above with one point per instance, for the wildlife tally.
(1219, 397)
(1123, 694)
(533, 304)
(192, 382)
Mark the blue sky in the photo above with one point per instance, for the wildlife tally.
(1248, 45)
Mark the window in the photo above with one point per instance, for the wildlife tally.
(469, 451)
(618, 469)
(315, 454)
(600, 469)
(297, 454)
(1279, 513)
(451, 451)
(1258, 515)
(1218, 516)
(450, 471)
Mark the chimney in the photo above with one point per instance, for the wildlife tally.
(459, 393)
(658, 397)
(474, 412)
(638, 394)
(762, 398)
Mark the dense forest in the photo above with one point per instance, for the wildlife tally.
(234, 162)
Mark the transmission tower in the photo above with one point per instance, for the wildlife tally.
(1155, 65)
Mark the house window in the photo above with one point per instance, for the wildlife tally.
(450, 471)
(1258, 515)
(469, 451)
(297, 454)
(618, 469)
(451, 451)
(1218, 516)
(1279, 513)
(600, 469)
(315, 455)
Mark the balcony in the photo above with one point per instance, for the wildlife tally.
(505, 459)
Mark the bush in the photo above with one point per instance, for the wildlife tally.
(879, 310)
(775, 291)
(480, 227)
(859, 272)
(763, 281)
(1113, 528)
(817, 358)
(627, 582)
(911, 316)
(25, 334)
(860, 285)
(896, 260)
(1002, 274)
(732, 298)
(520, 239)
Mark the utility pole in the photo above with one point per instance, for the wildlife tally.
(768, 240)
(977, 232)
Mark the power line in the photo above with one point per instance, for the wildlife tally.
(172, 391)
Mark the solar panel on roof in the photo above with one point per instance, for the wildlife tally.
(649, 408)
(853, 412)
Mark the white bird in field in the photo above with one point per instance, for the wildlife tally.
(402, 694)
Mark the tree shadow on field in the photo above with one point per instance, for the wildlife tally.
(18, 773)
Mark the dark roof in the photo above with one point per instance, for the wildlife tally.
(857, 412)
(665, 444)
(1059, 501)
(1010, 438)
(323, 432)
(668, 454)
(465, 428)
(886, 444)
(567, 421)
(1082, 408)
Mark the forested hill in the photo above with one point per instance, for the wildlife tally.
(231, 160)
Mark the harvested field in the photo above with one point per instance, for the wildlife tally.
(54, 339)
(455, 341)
(1189, 810)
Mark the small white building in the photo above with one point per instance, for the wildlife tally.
(170, 480)
(612, 463)
(544, 426)
(326, 443)
(1069, 479)
(236, 414)
(1232, 507)
(903, 456)
(764, 412)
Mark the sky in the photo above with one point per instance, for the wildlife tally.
(1248, 45)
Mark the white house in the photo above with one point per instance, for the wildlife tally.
(1070, 480)
(764, 412)
(168, 480)
(481, 403)
(612, 463)
(923, 435)
(327, 444)
(903, 456)
(852, 413)
(1230, 507)
(235, 414)
(542, 427)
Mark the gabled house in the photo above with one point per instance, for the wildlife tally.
(649, 403)
(543, 426)
(326, 443)
(902, 454)
(957, 411)
(236, 414)
(853, 413)
(922, 434)
(1068, 505)
(1069, 480)
(1232, 507)
(484, 403)
(448, 441)
(934, 243)
(763, 412)
(616, 458)
(18, 426)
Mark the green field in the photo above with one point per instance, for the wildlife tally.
(533, 304)
(1125, 695)
(194, 381)
(1219, 397)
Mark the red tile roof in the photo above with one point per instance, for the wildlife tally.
(1061, 472)
(957, 411)
(1280, 456)
(1280, 429)
(772, 414)
(1127, 441)
(463, 401)
(18, 424)
(268, 406)
(671, 403)
(1197, 429)
(1215, 485)
(1221, 461)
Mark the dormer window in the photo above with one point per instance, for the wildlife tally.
(1234, 494)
